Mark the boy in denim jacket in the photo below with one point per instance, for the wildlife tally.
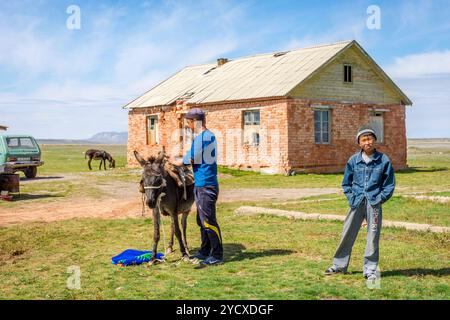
(368, 182)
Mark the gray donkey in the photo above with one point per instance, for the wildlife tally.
(165, 197)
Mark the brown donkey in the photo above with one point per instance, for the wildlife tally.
(99, 155)
(165, 197)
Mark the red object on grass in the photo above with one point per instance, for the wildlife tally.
(6, 198)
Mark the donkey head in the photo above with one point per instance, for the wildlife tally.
(153, 176)
(112, 163)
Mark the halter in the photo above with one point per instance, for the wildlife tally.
(155, 187)
(163, 183)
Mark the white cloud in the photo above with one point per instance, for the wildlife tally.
(419, 65)
(73, 101)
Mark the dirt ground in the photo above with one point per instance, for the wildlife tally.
(128, 202)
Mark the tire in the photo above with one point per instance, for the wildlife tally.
(31, 172)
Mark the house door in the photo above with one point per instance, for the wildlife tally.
(377, 123)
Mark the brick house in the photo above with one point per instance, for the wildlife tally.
(295, 110)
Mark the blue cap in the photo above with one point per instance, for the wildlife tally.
(196, 114)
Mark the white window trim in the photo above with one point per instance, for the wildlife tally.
(322, 108)
(155, 115)
(243, 111)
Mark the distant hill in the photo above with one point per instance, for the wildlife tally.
(110, 138)
(63, 141)
(99, 138)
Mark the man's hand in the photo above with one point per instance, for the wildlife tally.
(175, 160)
(364, 223)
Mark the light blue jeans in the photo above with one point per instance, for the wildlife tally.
(352, 224)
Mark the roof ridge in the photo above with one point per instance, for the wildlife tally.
(298, 49)
(274, 52)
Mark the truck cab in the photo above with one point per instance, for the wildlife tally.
(20, 153)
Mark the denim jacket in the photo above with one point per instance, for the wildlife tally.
(375, 180)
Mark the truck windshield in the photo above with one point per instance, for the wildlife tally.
(20, 143)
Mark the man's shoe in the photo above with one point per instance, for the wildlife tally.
(198, 257)
(211, 261)
(334, 270)
(371, 277)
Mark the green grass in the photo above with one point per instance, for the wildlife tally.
(398, 208)
(429, 170)
(266, 258)
(439, 194)
(70, 158)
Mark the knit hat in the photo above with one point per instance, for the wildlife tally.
(364, 130)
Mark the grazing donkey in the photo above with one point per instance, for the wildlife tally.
(99, 155)
(165, 197)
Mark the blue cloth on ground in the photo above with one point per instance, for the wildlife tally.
(132, 257)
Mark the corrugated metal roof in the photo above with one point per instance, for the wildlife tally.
(258, 76)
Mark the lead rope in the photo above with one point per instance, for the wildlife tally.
(143, 204)
(158, 201)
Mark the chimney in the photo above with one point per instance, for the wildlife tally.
(221, 61)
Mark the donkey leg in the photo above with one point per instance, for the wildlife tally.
(178, 235)
(89, 163)
(169, 249)
(184, 226)
(156, 236)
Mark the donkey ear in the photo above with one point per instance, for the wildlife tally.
(161, 156)
(138, 157)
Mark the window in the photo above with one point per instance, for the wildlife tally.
(251, 127)
(20, 143)
(251, 117)
(376, 120)
(322, 126)
(152, 130)
(186, 134)
(26, 143)
(12, 142)
(348, 76)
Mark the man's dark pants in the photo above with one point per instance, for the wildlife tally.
(205, 199)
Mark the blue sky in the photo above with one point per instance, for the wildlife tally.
(61, 83)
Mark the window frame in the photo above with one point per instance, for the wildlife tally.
(348, 66)
(156, 129)
(373, 113)
(254, 121)
(321, 110)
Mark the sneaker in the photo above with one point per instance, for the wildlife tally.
(211, 261)
(371, 277)
(334, 270)
(199, 256)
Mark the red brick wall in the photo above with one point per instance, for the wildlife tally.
(226, 121)
(286, 137)
(306, 155)
(137, 131)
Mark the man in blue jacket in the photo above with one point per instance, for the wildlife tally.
(202, 156)
(368, 182)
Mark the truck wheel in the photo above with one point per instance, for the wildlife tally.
(31, 172)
